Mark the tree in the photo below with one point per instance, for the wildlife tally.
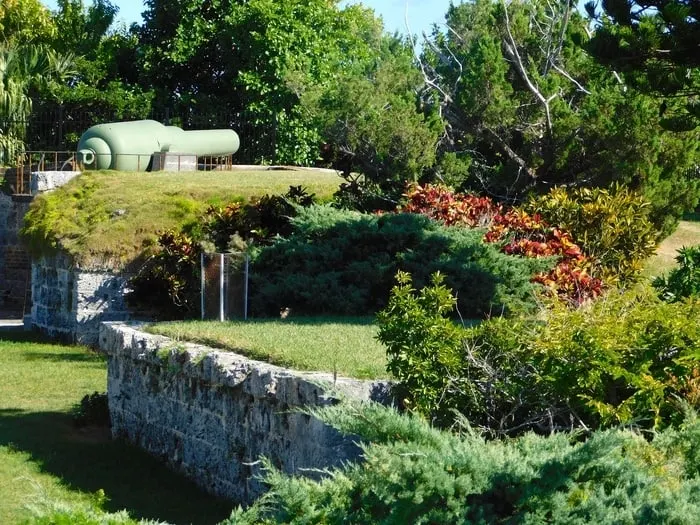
(105, 83)
(23, 68)
(25, 21)
(373, 129)
(223, 57)
(526, 109)
(656, 45)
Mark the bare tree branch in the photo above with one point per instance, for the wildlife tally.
(511, 48)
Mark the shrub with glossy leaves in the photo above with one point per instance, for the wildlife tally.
(516, 232)
(611, 226)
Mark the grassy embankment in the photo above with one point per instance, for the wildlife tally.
(346, 346)
(43, 455)
(110, 218)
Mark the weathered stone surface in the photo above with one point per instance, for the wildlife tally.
(71, 303)
(15, 266)
(212, 415)
(42, 181)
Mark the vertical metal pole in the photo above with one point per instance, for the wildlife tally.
(201, 284)
(221, 287)
(245, 289)
(60, 126)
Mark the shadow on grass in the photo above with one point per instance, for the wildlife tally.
(88, 460)
(22, 336)
(72, 357)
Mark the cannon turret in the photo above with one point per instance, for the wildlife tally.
(130, 146)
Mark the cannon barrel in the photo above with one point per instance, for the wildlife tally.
(128, 146)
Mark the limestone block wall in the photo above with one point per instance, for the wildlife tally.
(211, 415)
(15, 261)
(70, 303)
(14, 258)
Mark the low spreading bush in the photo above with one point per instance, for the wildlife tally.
(92, 410)
(683, 281)
(611, 226)
(342, 262)
(413, 473)
(625, 359)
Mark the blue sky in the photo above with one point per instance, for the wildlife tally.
(422, 14)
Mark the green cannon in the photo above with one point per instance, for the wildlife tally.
(134, 146)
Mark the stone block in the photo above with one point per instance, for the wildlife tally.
(167, 161)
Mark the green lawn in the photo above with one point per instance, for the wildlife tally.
(687, 234)
(110, 217)
(43, 455)
(346, 346)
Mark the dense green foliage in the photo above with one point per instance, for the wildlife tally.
(413, 473)
(372, 130)
(526, 108)
(627, 358)
(341, 262)
(655, 45)
(51, 512)
(508, 101)
(167, 284)
(613, 227)
(229, 55)
(683, 281)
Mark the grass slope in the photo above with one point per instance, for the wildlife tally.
(687, 234)
(43, 455)
(343, 345)
(108, 218)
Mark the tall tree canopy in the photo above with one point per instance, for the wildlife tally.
(527, 108)
(656, 44)
(25, 22)
(223, 56)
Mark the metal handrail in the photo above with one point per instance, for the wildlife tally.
(30, 161)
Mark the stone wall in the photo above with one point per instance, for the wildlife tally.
(70, 303)
(14, 258)
(211, 415)
(15, 262)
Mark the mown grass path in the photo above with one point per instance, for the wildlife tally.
(44, 455)
(687, 234)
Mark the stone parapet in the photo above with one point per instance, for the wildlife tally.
(212, 415)
(42, 181)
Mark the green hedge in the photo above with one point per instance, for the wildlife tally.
(342, 262)
(412, 473)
